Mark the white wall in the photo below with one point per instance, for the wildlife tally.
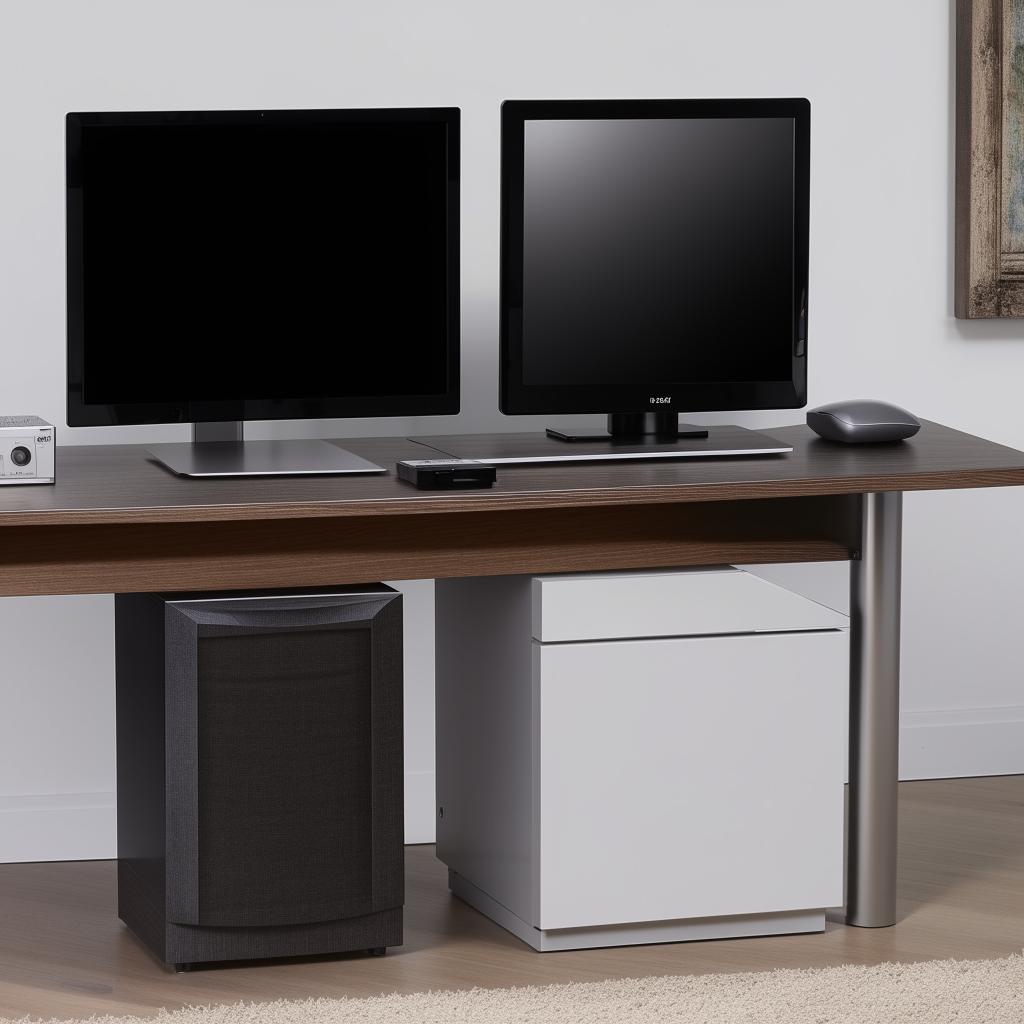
(879, 75)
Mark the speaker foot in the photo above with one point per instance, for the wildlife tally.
(377, 951)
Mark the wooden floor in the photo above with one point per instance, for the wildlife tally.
(63, 953)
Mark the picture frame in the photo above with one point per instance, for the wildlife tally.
(989, 245)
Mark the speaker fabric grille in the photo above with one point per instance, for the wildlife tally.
(285, 794)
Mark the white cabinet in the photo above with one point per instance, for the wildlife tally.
(682, 778)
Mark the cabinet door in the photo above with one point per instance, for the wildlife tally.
(689, 778)
(284, 728)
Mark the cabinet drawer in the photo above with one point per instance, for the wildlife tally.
(698, 602)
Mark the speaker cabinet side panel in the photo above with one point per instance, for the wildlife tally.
(388, 774)
(141, 824)
(181, 766)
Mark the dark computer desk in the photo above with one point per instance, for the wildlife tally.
(117, 522)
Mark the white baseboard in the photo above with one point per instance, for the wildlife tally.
(961, 743)
(58, 826)
(420, 807)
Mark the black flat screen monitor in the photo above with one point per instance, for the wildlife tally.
(654, 255)
(262, 265)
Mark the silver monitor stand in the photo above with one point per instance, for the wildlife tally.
(217, 449)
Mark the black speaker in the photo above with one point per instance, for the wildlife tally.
(259, 772)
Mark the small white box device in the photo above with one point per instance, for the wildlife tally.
(26, 450)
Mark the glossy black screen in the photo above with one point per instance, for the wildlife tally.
(263, 261)
(657, 250)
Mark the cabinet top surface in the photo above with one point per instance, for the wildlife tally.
(106, 484)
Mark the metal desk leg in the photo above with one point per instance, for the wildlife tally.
(874, 714)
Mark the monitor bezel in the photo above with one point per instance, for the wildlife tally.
(518, 398)
(82, 414)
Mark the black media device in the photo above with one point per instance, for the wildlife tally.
(225, 266)
(653, 261)
(446, 474)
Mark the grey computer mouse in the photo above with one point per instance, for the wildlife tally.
(862, 421)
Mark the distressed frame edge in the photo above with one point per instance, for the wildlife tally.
(978, 290)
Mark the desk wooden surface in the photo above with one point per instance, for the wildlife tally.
(118, 522)
(107, 484)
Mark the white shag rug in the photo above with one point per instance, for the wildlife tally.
(936, 992)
